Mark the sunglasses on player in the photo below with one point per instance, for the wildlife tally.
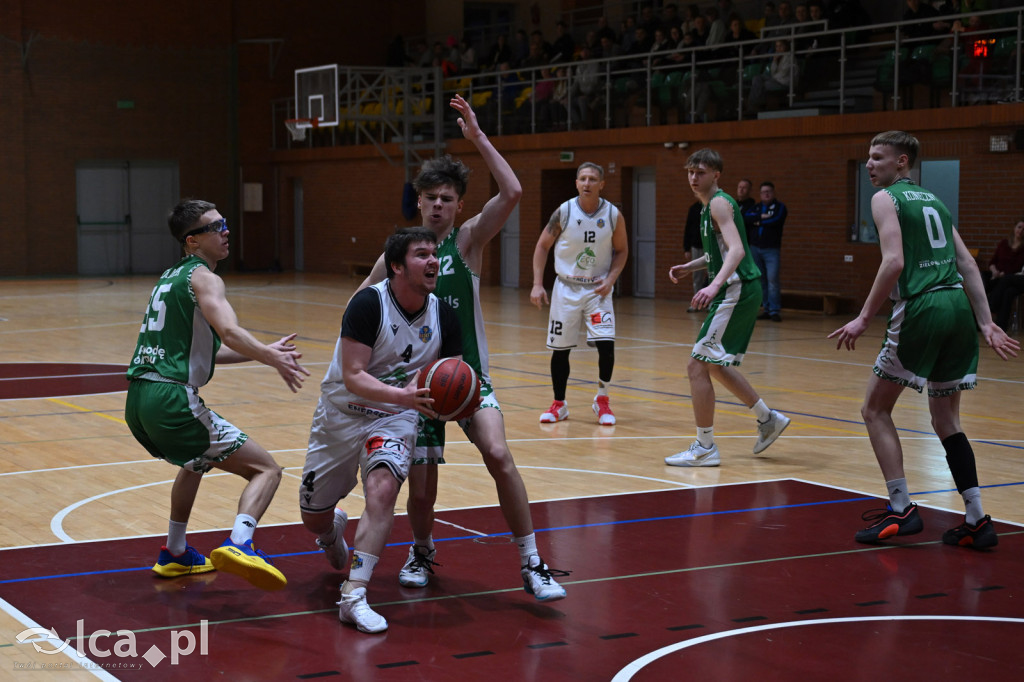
(217, 226)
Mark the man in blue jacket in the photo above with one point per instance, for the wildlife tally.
(765, 239)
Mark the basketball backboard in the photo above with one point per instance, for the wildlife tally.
(316, 95)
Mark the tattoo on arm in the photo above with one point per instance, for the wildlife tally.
(554, 226)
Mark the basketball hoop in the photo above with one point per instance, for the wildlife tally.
(297, 127)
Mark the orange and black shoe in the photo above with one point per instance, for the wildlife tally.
(885, 523)
(980, 536)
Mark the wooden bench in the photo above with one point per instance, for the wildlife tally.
(830, 300)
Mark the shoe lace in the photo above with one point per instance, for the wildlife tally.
(261, 554)
(602, 405)
(555, 407)
(421, 562)
(875, 514)
(545, 573)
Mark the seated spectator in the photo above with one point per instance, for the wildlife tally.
(587, 90)
(604, 30)
(467, 58)
(396, 52)
(1007, 260)
(737, 33)
(782, 70)
(563, 49)
(520, 48)
(915, 13)
(716, 27)
(660, 44)
(670, 17)
(690, 12)
(501, 52)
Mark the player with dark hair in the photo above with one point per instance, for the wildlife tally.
(588, 234)
(441, 185)
(189, 327)
(365, 421)
(732, 298)
(931, 340)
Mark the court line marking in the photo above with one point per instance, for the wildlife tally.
(83, 662)
(627, 673)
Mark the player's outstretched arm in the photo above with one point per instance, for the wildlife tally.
(997, 339)
(482, 228)
(239, 344)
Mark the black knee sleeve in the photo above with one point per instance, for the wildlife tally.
(960, 458)
(605, 360)
(559, 372)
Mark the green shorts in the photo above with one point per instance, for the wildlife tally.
(727, 329)
(171, 421)
(931, 340)
(430, 436)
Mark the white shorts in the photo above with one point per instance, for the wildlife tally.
(342, 444)
(574, 303)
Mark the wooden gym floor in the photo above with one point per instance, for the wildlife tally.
(749, 568)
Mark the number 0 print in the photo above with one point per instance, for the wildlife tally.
(933, 223)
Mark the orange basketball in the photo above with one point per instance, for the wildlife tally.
(454, 388)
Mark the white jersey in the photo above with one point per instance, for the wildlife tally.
(401, 344)
(583, 251)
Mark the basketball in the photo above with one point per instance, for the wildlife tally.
(454, 388)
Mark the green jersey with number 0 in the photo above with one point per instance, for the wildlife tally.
(175, 340)
(929, 252)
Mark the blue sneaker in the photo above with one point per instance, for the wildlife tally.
(189, 562)
(249, 563)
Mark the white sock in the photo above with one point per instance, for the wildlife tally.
(176, 543)
(330, 537)
(899, 497)
(762, 411)
(706, 437)
(362, 567)
(972, 503)
(527, 546)
(428, 543)
(601, 388)
(245, 526)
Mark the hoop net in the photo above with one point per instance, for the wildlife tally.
(297, 127)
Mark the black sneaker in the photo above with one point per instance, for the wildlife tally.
(885, 523)
(980, 536)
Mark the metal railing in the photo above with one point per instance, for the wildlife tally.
(853, 65)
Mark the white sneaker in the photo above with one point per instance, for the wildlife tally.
(605, 417)
(418, 567)
(558, 412)
(337, 551)
(695, 456)
(768, 431)
(354, 610)
(538, 580)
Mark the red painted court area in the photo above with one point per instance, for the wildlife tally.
(731, 582)
(52, 379)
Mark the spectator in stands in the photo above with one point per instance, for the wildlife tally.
(593, 43)
(440, 59)
(648, 21)
(846, 14)
(766, 247)
(690, 12)
(716, 27)
(660, 44)
(737, 33)
(563, 49)
(520, 48)
(501, 52)
(726, 9)
(783, 69)
(604, 30)
(467, 57)
(537, 38)
(670, 18)
(422, 56)
(587, 90)
(744, 199)
(701, 30)
(609, 48)
(915, 14)
(627, 34)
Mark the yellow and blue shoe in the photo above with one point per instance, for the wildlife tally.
(249, 563)
(189, 562)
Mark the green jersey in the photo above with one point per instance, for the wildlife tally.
(929, 252)
(715, 248)
(459, 287)
(175, 340)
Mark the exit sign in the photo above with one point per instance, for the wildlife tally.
(566, 157)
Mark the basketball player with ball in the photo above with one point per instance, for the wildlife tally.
(441, 184)
(370, 402)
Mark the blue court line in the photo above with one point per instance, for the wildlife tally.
(476, 537)
(687, 396)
